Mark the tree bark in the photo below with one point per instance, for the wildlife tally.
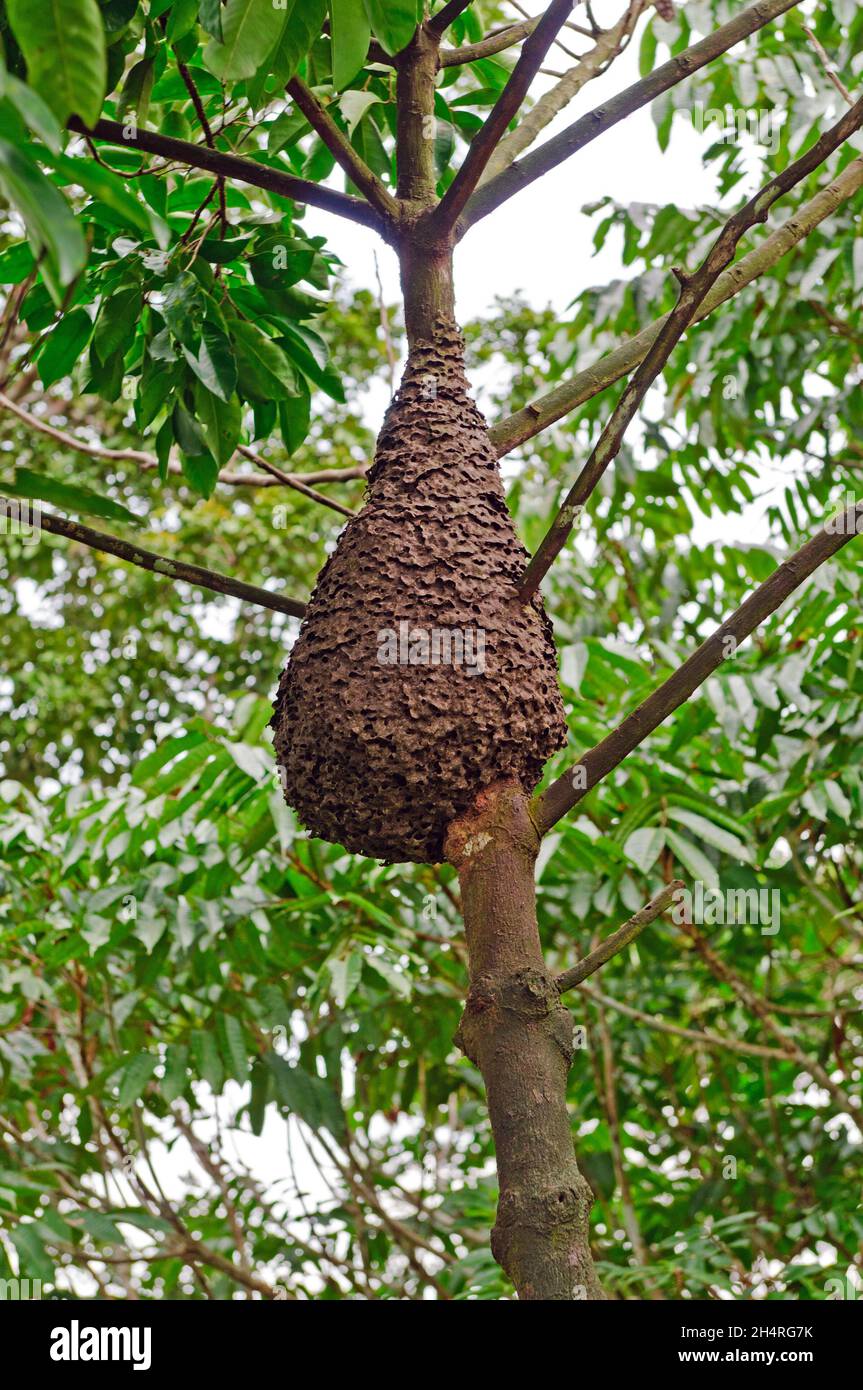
(520, 1036)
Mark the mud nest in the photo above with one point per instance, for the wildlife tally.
(418, 677)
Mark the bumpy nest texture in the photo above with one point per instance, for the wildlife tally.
(378, 754)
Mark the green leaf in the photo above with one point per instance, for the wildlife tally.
(644, 847)
(137, 90)
(142, 1220)
(182, 19)
(398, 983)
(68, 496)
(50, 225)
(183, 308)
(305, 22)
(350, 31)
(837, 800)
(201, 471)
(207, 1060)
(354, 105)
(265, 373)
(393, 22)
(164, 440)
(647, 51)
(135, 1077)
(260, 1078)
(311, 354)
(444, 145)
(173, 1083)
(308, 1097)
(235, 1046)
(109, 188)
(35, 1263)
(710, 833)
(16, 263)
(63, 43)
(294, 420)
(210, 14)
(187, 431)
(222, 250)
(155, 385)
(221, 422)
(345, 974)
(32, 110)
(60, 349)
(692, 859)
(250, 28)
(101, 1227)
(214, 363)
(117, 322)
(284, 129)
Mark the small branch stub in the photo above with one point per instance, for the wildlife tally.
(619, 940)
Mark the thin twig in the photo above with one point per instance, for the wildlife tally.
(189, 83)
(714, 1040)
(300, 482)
(290, 481)
(159, 564)
(828, 65)
(441, 21)
(496, 42)
(385, 327)
(620, 939)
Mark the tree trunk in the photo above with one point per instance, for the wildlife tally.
(397, 770)
(519, 1035)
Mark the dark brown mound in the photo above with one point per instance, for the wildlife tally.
(380, 757)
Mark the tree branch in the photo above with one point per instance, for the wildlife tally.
(588, 127)
(517, 428)
(745, 1049)
(206, 129)
(596, 764)
(342, 150)
(232, 166)
(300, 483)
(496, 42)
(292, 482)
(173, 569)
(70, 442)
(828, 66)
(439, 23)
(694, 289)
(758, 1006)
(505, 108)
(609, 43)
(618, 940)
